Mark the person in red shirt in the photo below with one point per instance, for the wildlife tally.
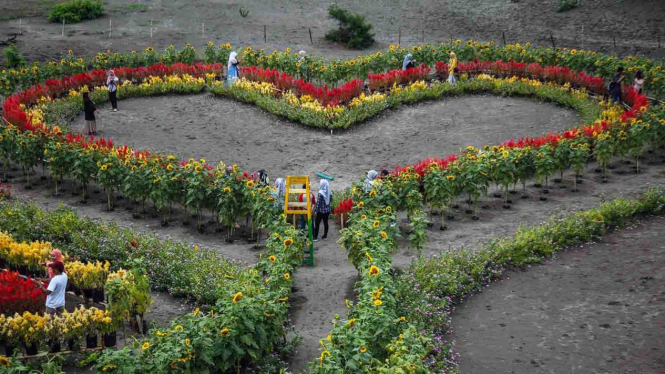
(301, 199)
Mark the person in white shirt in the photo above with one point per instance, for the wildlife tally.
(55, 299)
(112, 84)
(638, 84)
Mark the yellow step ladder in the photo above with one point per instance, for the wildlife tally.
(294, 185)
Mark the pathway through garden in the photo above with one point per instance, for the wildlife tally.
(598, 308)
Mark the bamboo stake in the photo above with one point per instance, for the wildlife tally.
(265, 36)
(63, 27)
(203, 29)
(110, 27)
(399, 36)
(310, 36)
(20, 26)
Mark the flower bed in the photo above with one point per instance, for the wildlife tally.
(444, 280)
(18, 294)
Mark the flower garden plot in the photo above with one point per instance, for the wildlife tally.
(370, 237)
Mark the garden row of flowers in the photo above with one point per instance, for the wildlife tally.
(316, 68)
(368, 238)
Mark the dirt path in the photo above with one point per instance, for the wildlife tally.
(220, 129)
(628, 27)
(595, 309)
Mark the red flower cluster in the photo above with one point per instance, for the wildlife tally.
(54, 88)
(421, 167)
(387, 80)
(18, 295)
(5, 191)
(499, 68)
(343, 207)
(324, 95)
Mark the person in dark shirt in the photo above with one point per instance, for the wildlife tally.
(322, 209)
(89, 109)
(615, 86)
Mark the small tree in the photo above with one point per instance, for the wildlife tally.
(353, 30)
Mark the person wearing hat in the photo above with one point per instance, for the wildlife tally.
(55, 292)
(56, 255)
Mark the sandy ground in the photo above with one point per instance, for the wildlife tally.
(221, 129)
(634, 25)
(595, 309)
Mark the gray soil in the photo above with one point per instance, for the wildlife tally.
(221, 129)
(595, 309)
(626, 27)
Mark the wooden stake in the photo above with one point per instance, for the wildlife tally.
(310, 35)
(615, 43)
(552, 40)
(63, 27)
(399, 36)
(203, 29)
(151, 33)
(658, 41)
(265, 34)
(503, 34)
(110, 27)
(422, 40)
(20, 26)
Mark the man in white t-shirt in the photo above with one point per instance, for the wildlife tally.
(55, 299)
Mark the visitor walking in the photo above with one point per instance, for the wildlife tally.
(278, 192)
(112, 85)
(232, 69)
(301, 199)
(615, 86)
(322, 209)
(408, 63)
(89, 109)
(638, 83)
(368, 185)
(56, 256)
(263, 179)
(55, 292)
(452, 68)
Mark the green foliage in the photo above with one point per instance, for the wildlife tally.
(74, 11)
(353, 30)
(13, 57)
(565, 5)
(442, 281)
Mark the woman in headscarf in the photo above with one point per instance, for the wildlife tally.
(232, 68)
(407, 63)
(112, 86)
(89, 110)
(452, 66)
(322, 209)
(279, 191)
(56, 255)
(369, 181)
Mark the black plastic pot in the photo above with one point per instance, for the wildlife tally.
(109, 339)
(98, 296)
(72, 344)
(91, 341)
(9, 350)
(88, 293)
(55, 346)
(31, 350)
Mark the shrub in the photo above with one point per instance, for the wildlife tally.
(353, 30)
(74, 11)
(565, 5)
(13, 56)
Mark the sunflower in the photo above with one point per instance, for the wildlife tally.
(224, 332)
(378, 302)
(376, 224)
(196, 312)
(388, 209)
(373, 270)
(361, 205)
(384, 234)
(249, 184)
(237, 297)
(363, 349)
(346, 301)
(288, 242)
(369, 258)
(351, 322)
(450, 177)
(145, 346)
(227, 190)
(104, 167)
(363, 216)
(272, 258)
(169, 167)
(4, 361)
(287, 276)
